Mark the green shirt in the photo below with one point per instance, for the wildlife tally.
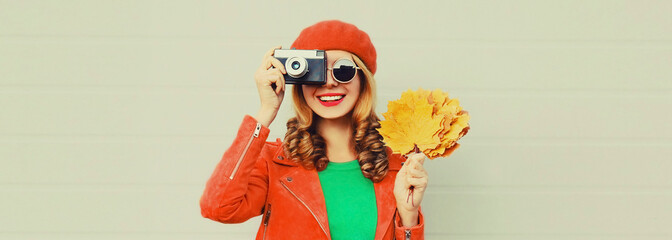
(350, 200)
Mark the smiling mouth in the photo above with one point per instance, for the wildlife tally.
(330, 98)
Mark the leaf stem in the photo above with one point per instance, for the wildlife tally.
(410, 193)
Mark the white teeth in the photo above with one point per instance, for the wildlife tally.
(330, 98)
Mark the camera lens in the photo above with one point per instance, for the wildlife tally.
(296, 66)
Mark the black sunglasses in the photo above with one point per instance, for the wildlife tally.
(343, 70)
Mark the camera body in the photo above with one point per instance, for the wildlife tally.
(303, 66)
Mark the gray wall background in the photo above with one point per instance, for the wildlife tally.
(113, 114)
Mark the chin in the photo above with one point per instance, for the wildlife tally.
(330, 115)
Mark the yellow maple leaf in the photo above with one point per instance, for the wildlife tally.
(409, 123)
(428, 120)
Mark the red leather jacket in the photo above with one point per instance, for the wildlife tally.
(254, 178)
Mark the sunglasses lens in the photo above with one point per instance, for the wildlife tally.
(344, 70)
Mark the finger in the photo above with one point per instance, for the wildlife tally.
(403, 170)
(407, 165)
(419, 166)
(275, 71)
(270, 79)
(278, 65)
(403, 167)
(419, 157)
(279, 85)
(413, 157)
(266, 61)
(418, 163)
(415, 160)
(271, 51)
(415, 173)
(418, 183)
(274, 79)
(278, 79)
(282, 82)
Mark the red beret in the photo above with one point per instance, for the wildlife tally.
(337, 35)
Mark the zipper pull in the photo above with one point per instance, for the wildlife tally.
(257, 130)
(408, 234)
(268, 215)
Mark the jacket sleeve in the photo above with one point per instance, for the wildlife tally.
(416, 232)
(237, 189)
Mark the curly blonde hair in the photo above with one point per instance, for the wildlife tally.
(305, 146)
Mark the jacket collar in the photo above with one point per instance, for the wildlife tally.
(280, 158)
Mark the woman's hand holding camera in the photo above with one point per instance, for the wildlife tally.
(271, 86)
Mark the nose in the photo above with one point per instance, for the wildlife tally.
(330, 80)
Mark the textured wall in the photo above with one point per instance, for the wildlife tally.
(113, 114)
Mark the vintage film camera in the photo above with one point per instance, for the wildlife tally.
(303, 66)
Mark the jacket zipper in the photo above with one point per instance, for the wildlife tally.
(408, 234)
(305, 205)
(268, 215)
(240, 160)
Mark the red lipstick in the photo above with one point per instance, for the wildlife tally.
(330, 103)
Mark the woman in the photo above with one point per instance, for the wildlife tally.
(332, 177)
